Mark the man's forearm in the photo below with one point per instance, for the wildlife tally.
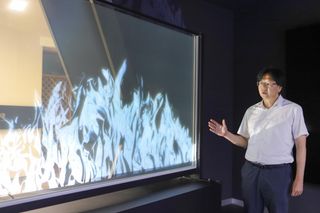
(301, 153)
(237, 140)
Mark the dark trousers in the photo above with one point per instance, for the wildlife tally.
(266, 186)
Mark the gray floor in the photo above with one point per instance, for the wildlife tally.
(232, 209)
(308, 202)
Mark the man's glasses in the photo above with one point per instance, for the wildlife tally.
(266, 84)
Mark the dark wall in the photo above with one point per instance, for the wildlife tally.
(237, 42)
(216, 26)
(239, 38)
(260, 31)
(303, 65)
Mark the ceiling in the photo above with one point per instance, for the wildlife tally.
(30, 20)
(238, 5)
(229, 4)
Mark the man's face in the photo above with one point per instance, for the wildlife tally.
(268, 88)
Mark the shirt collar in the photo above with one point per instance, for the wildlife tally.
(278, 102)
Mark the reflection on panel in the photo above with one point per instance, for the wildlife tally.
(112, 97)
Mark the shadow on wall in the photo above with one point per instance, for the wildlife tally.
(312, 174)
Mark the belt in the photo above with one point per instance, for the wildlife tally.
(271, 166)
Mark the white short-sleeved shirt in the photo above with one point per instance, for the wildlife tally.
(271, 132)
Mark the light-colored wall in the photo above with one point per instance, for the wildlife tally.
(20, 67)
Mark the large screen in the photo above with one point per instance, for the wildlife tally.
(93, 94)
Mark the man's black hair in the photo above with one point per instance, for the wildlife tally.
(276, 74)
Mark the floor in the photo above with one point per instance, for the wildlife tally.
(232, 209)
(308, 202)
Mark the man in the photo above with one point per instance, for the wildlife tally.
(269, 130)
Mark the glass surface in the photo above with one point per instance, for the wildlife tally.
(90, 94)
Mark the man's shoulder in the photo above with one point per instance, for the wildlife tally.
(255, 106)
(289, 103)
(290, 106)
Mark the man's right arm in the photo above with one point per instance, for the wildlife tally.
(237, 140)
(222, 130)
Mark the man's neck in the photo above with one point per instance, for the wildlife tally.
(268, 103)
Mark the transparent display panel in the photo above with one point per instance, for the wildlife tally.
(91, 94)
